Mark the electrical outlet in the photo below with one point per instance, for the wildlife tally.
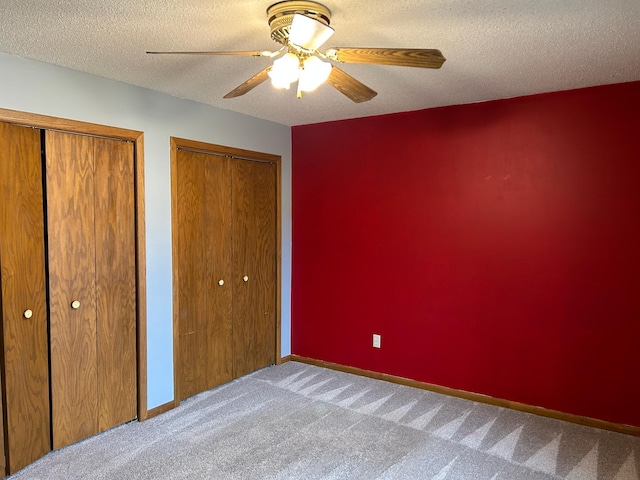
(376, 340)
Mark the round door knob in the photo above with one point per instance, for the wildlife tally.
(245, 278)
(27, 314)
(75, 304)
(220, 282)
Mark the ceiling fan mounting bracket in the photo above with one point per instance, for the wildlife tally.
(280, 15)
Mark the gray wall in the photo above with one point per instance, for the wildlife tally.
(36, 87)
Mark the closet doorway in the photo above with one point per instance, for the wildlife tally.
(72, 297)
(226, 270)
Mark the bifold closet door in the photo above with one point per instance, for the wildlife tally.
(203, 260)
(254, 265)
(225, 262)
(71, 238)
(25, 367)
(92, 290)
(116, 298)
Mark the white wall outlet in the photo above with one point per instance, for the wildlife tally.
(376, 340)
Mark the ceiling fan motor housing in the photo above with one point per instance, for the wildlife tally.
(280, 15)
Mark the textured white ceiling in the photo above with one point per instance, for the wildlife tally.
(494, 48)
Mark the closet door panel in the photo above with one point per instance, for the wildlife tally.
(204, 259)
(254, 250)
(115, 281)
(217, 246)
(71, 241)
(192, 291)
(22, 282)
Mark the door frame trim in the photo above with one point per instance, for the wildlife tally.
(242, 154)
(46, 122)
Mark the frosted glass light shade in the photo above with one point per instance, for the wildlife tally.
(285, 71)
(313, 74)
(308, 33)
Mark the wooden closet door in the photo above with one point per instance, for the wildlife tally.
(115, 281)
(254, 265)
(203, 257)
(22, 282)
(92, 284)
(71, 241)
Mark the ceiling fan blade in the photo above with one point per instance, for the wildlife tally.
(250, 84)
(401, 57)
(246, 53)
(349, 86)
(308, 33)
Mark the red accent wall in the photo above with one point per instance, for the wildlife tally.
(494, 246)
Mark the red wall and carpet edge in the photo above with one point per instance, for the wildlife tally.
(494, 246)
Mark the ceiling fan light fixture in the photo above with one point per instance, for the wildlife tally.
(301, 27)
(313, 73)
(308, 33)
(285, 71)
(280, 16)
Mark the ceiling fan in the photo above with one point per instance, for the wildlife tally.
(302, 27)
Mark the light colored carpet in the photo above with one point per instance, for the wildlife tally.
(296, 421)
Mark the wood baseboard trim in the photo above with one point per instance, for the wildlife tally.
(282, 360)
(475, 397)
(160, 409)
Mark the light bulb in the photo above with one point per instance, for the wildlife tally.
(313, 74)
(285, 71)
